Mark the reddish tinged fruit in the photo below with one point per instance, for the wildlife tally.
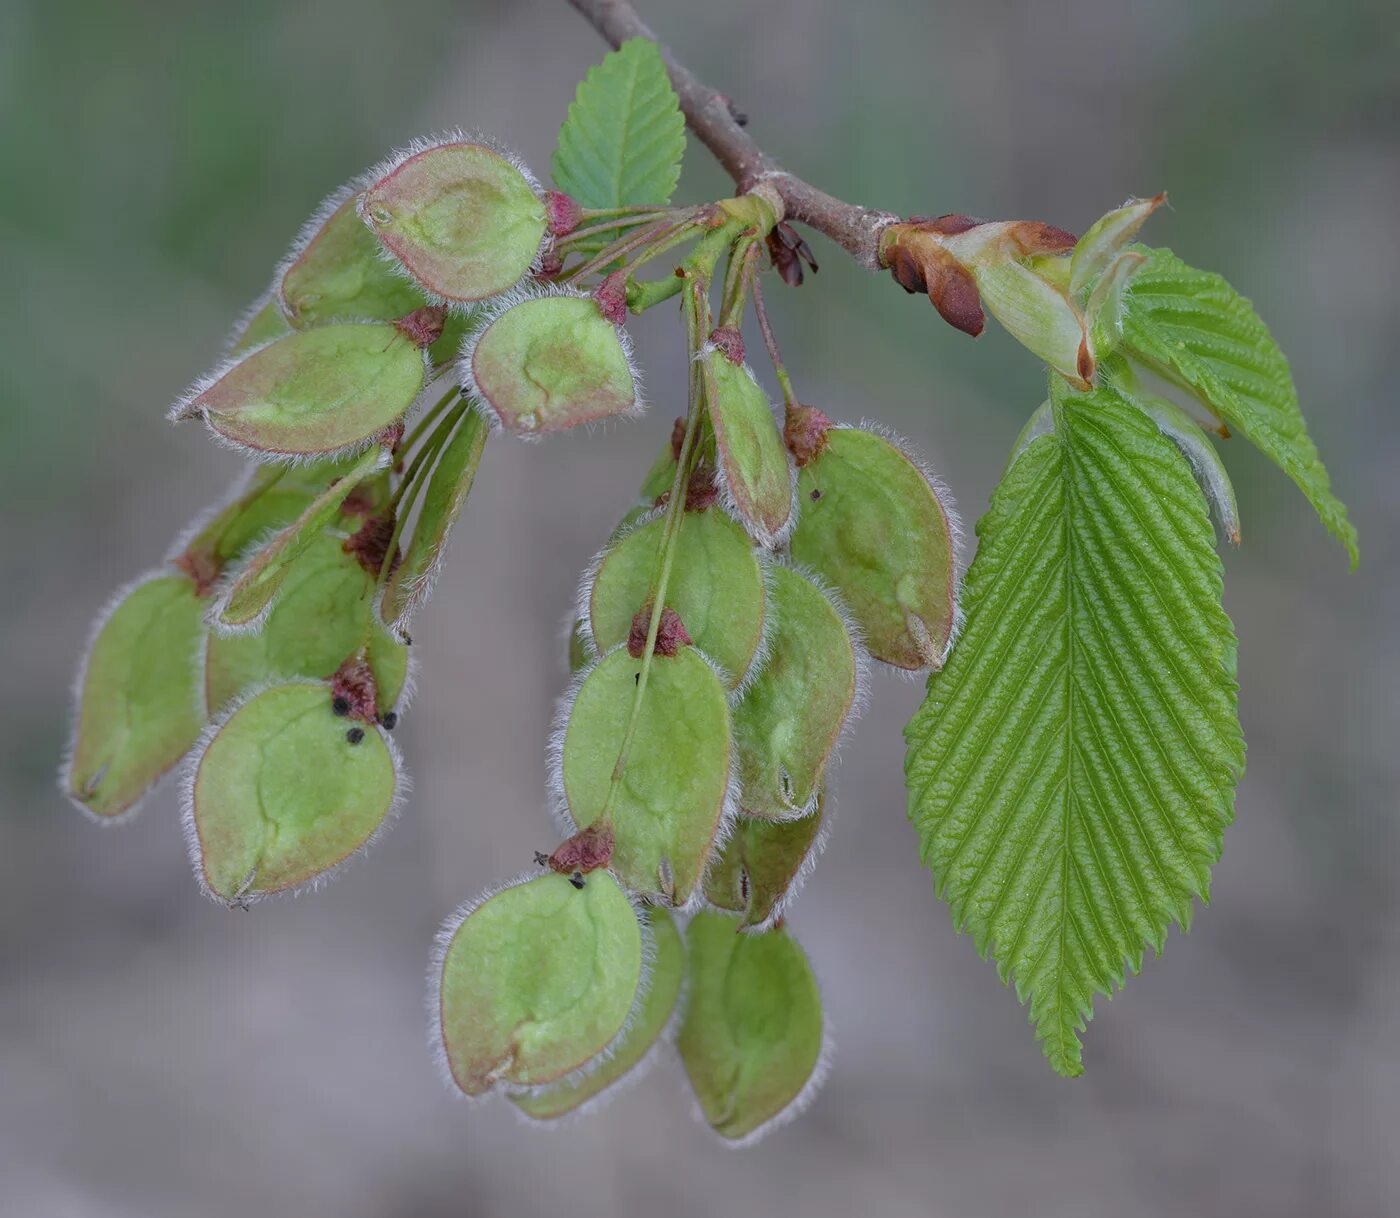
(611, 296)
(728, 342)
(353, 687)
(370, 543)
(563, 212)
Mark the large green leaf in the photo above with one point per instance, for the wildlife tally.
(622, 142)
(1072, 770)
(1194, 328)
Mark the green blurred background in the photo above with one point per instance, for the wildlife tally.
(159, 1056)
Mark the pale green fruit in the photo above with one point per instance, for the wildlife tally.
(751, 1038)
(463, 219)
(536, 981)
(582, 653)
(337, 273)
(245, 601)
(673, 794)
(322, 614)
(876, 528)
(716, 586)
(138, 706)
(261, 324)
(443, 499)
(762, 864)
(549, 362)
(648, 1025)
(314, 391)
(280, 795)
(754, 468)
(787, 725)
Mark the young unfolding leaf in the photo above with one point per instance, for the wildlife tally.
(313, 392)
(245, 600)
(465, 220)
(321, 615)
(138, 705)
(754, 470)
(624, 137)
(673, 794)
(762, 864)
(536, 980)
(1211, 476)
(1195, 329)
(1072, 770)
(1039, 315)
(1100, 247)
(336, 271)
(443, 500)
(647, 1027)
(875, 527)
(788, 722)
(716, 586)
(549, 362)
(282, 793)
(751, 1038)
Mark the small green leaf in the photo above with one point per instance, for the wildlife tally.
(280, 795)
(716, 586)
(321, 615)
(549, 362)
(624, 137)
(755, 473)
(247, 598)
(876, 527)
(647, 1027)
(138, 706)
(751, 1038)
(335, 271)
(1195, 329)
(762, 865)
(1211, 476)
(674, 791)
(1072, 770)
(312, 392)
(536, 981)
(789, 720)
(443, 500)
(465, 220)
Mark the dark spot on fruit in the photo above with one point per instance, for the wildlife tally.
(340, 706)
(355, 735)
(816, 494)
(389, 720)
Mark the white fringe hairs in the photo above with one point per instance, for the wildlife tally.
(194, 846)
(492, 310)
(416, 147)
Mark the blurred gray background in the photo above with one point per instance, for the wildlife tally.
(161, 1057)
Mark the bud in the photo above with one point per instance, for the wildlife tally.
(1097, 249)
(335, 270)
(465, 220)
(279, 796)
(313, 392)
(883, 533)
(674, 794)
(716, 586)
(755, 475)
(547, 360)
(630, 1052)
(443, 499)
(321, 614)
(138, 709)
(535, 981)
(966, 264)
(763, 864)
(242, 605)
(788, 723)
(752, 1035)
